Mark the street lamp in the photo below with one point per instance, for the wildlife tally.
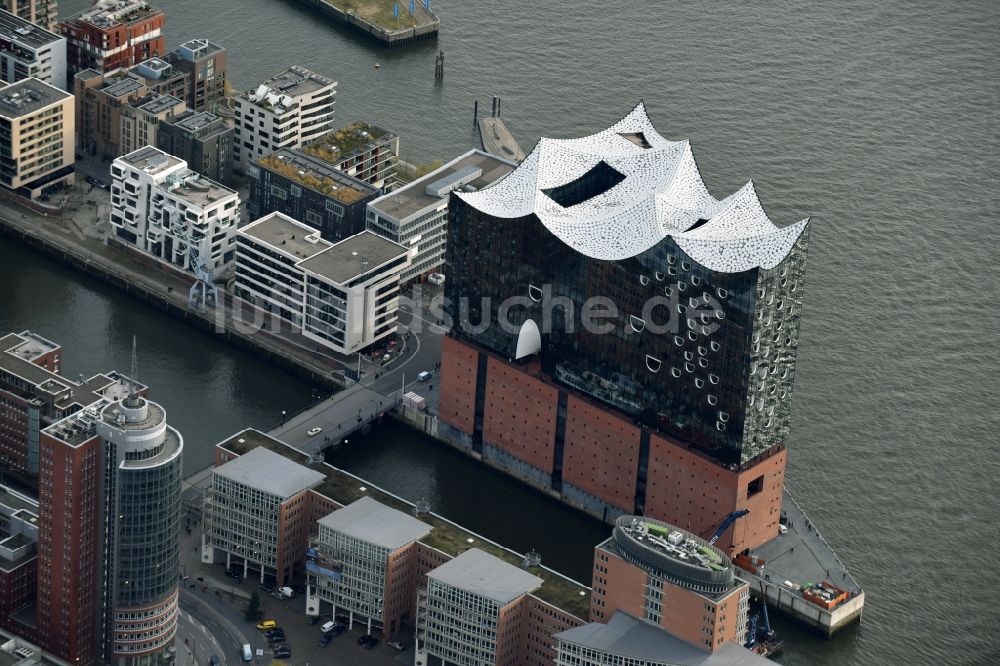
(282, 417)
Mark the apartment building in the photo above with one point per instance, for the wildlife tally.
(371, 546)
(204, 62)
(112, 35)
(160, 77)
(416, 215)
(362, 150)
(141, 119)
(203, 140)
(256, 515)
(343, 295)
(30, 51)
(171, 214)
(288, 110)
(43, 13)
(304, 187)
(36, 138)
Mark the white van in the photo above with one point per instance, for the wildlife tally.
(328, 627)
(423, 376)
(247, 653)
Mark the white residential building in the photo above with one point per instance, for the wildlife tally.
(343, 295)
(164, 210)
(416, 216)
(287, 110)
(30, 51)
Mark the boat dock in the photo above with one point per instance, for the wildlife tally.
(374, 18)
(498, 140)
(799, 574)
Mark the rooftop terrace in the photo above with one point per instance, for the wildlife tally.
(196, 49)
(292, 82)
(317, 174)
(447, 537)
(150, 160)
(341, 144)
(109, 13)
(197, 189)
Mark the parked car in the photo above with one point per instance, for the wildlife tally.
(234, 574)
(325, 640)
(299, 589)
(276, 634)
(368, 641)
(396, 644)
(423, 376)
(337, 630)
(267, 625)
(266, 587)
(312, 432)
(283, 653)
(311, 620)
(214, 661)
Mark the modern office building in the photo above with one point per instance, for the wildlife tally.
(113, 35)
(628, 641)
(204, 62)
(18, 559)
(140, 120)
(287, 110)
(307, 188)
(29, 51)
(203, 140)
(364, 151)
(109, 523)
(33, 395)
(256, 515)
(373, 548)
(171, 214)
(43, 13)
(676, 404)
(416, 215)
(343, 295)
(671, 579)
(36, 138)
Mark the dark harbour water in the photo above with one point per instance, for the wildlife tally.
(879, 119)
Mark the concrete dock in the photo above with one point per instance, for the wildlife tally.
(498, 140)
(798, 557)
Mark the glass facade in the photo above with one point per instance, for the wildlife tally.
(705, 357)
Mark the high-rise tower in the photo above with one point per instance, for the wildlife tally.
(653, 324)
(109, 495)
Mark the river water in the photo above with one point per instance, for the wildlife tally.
(876, 118)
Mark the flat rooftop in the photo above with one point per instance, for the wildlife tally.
(199, 190)
(121, 86)
(414, 198)
(16, 29)
(156, 104)
(151, 160)
(196, 49)
(317, 174)
(625, 636)
(28, 96)
(294, 82)
(446, 537)
(287, 235)
(341, 144)
(352, 257)
(17, 502)
(269, 472)
(15, 358)
(198, 122)
(478, 572)
(374, 522)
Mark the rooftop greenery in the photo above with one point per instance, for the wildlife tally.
(337, 145)
(344, 489)
(340, 191)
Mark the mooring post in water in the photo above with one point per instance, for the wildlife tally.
(475, 112)
(439, 66)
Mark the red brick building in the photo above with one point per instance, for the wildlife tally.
(113, 34)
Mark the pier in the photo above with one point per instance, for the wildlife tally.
(495, 136)
(787, 565)
(374, 19)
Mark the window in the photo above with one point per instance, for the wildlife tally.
(595, 182)
(278, 192)
(755, 486)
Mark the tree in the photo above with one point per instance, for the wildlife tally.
(254, 611)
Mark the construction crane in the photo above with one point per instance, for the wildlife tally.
(727, 521)
(203, 292)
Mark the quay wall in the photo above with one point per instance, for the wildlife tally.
(381, 34)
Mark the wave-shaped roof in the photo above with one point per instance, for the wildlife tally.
(662, 194)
